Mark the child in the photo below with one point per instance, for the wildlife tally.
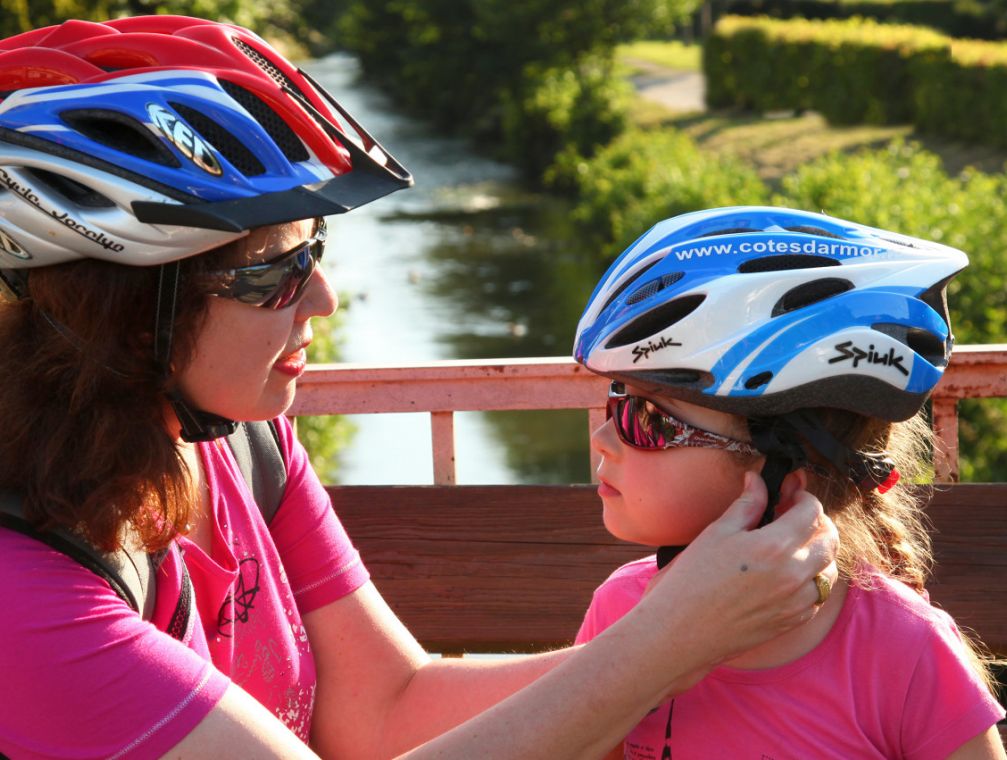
(753, 338)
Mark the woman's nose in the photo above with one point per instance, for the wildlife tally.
(319, 299)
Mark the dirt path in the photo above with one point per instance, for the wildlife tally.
(674, 89)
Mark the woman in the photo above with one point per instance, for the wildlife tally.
(166, 184)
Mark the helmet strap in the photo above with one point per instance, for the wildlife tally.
(779, 441)
(197, 425)
(868, 470)
(784, 454)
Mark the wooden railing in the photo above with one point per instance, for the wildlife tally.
(512, 568)
(444, 387)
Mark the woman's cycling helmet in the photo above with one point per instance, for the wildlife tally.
(149, 139)
(146, 140)
(769, 313)
(760, 311)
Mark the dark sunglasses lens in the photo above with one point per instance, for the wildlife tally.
(280, 284)
(293, 281)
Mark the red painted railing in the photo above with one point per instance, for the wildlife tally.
(444, 387)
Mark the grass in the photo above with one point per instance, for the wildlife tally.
(669, 55)
(776, 144)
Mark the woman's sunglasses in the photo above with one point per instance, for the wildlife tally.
(277, 283)
(642, 424)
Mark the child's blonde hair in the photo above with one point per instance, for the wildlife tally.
(886, 530)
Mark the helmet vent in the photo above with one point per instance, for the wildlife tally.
(73, 191)
(656, 320)
(275, 127)
(923, 342)
(729, 231)
(810, 293)
(654, 287)
(119, 131)
(936, 297)
(808, 230)
(268, 66)
(786, 261)
(227, 144)
(757, 381)
(635, 278)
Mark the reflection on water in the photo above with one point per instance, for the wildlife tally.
(465, 265)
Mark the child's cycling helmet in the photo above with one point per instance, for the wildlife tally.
(149, 139)
(769, 313)
(146, 140)
(760, 311)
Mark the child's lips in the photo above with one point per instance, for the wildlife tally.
(607, 489)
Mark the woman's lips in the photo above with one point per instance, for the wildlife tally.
(292, 364)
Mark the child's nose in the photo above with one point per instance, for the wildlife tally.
(604, 439)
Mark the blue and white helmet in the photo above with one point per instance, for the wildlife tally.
(760, 311)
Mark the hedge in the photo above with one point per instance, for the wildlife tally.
(956, 18)
(964, 96)
(851, 72)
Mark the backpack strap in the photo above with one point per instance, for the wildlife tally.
(129, 571)
(256, 448)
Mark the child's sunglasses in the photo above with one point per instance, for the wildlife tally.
(277, 283)
(643, 425)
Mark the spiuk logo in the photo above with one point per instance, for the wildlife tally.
(847, 350)
(644, 350)
(179, 134)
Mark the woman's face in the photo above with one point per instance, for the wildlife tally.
(248, 358)
(667, 497)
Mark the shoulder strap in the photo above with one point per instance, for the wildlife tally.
(129, 571)
(256, 447)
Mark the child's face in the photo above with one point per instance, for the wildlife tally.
(667, 497)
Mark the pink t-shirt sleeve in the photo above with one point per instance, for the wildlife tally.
(615, 597)
(83, 675)
(321, 563)
(946, 704)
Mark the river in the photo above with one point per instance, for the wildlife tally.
(465, 265)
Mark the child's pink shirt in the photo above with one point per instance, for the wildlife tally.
(84, 677)
(889, 680)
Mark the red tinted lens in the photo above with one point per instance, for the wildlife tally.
(638, 422)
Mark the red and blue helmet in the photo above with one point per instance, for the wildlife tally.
(146, 140)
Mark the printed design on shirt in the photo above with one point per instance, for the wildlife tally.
(241, 600)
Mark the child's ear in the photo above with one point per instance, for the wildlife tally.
(794, 482)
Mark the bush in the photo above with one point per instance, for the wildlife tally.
(904, 188)
(851, 72)
(643, 177)
(964, 96)
(956, 18)
(574, 111)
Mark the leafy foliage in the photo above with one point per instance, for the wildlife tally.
(531, 75)
(643, 177)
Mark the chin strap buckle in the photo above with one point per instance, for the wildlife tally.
(871, 471)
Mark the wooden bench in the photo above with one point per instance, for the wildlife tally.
(512, 568)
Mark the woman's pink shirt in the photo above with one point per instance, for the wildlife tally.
(84, 676)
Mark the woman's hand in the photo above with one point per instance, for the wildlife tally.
(739, 587)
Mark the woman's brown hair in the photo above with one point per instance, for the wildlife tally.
(83, 408)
